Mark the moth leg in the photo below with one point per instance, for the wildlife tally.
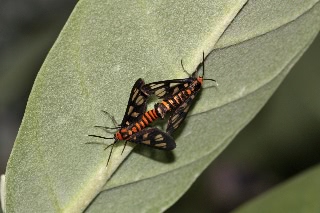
(125, 144)
(100, 143)
(184, 70)
(115, 123)
(107, 129)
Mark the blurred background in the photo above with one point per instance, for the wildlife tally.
(282, 140)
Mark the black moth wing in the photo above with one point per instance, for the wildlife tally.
(137, 104)
(179, 115)
(154, 138)
(166, 89)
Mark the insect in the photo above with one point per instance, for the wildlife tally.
(132, 127)
(177, 96)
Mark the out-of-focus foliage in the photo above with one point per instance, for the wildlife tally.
(301, 194)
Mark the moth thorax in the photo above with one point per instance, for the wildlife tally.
(119, 136)
(196, 85)
(200, 79)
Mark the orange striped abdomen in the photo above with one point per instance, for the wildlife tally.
(126, 132)
(178, 99)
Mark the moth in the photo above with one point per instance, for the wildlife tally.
(134, 123)
(177, 96)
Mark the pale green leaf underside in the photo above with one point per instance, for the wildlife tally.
(103, 49)
(300, 194)
(2, 192)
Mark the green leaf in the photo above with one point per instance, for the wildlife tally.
(104, 47)
(300, 194)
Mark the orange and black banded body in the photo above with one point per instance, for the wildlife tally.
(153, 137)
(189, 90)
(127, 131)
(134, 123)
(177, 96)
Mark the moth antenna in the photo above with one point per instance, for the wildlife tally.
(216, 85)
(203, 63)
(209, 79)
